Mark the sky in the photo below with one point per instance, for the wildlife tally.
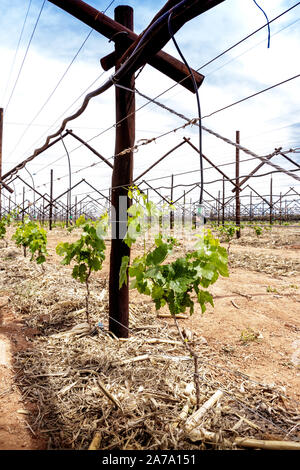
(47, 67)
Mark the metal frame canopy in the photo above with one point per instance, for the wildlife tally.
(160, 60)
(131, 52)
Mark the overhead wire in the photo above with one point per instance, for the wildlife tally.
(51, 94)
(25, 55)
(125, 68)
(229, 49)
(16, 51)
(252, 96)
(64, 112)
(198, 104)
(58, 83)
(204, 65)
(181, 174)
(190, 122)
(216, 180)
(250, 49)
(217, 110)
(111, 158)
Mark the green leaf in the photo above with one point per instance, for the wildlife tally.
(157, 292)
(123, 271)
(203, 298)
(154, 273)
(158, 255)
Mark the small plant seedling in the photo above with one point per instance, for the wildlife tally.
(173, 283)
(88, 253)
(257, 229)
(228, 231)
(272, 289)
(4, 222)
(30, 235)
(248, 335)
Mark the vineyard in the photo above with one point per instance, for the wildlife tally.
(71, 381)
(149, 295)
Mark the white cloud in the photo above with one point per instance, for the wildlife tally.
(265, 121)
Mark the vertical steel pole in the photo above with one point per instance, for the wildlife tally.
(237, 181)
(51, 200)
(223, 202)
(75, 214)
(121, 178)
(23, 204)
(43, 213)
(280, 209)
(271, 201)
(172, 212)
(285, 211)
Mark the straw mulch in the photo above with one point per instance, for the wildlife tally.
(266, 263)
(136, 394)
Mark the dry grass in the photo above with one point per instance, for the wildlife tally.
(91, 382)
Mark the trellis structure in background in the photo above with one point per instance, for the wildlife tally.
(125, 58)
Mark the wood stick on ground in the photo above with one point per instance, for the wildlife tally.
(268, 445)
(195, 419)
(168, 315)
(67, 388)
(247, 421)
(182, 415)
(151, 340)
(201, 434)
(161, 340)
(133, 359)
(77, 312)
(95, 444)
(195, 359)
(109, 395)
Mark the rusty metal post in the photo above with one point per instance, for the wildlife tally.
(43, 213)
(286, 212)
(75, 210)
(271, 201)
(67, 211)
(251, 208)
(171, 197)
(223, 203)
(23, 204)
(218, 207)
(280, 209)
(51, 200)
(237, 182)
(122, 176)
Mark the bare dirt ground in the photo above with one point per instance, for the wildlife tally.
(253, 329)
